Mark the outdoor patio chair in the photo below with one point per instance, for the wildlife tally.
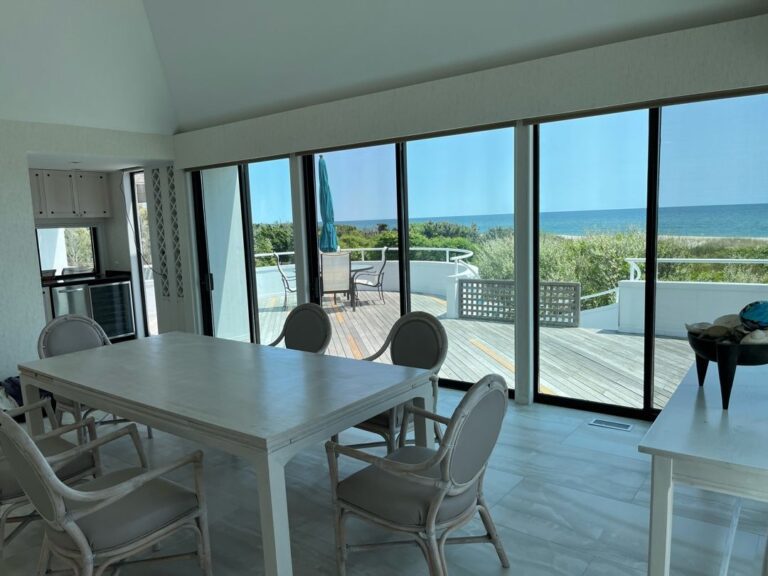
(336, 274)
(373, 279)
(418, 340)
(99, 525)
(426, 493)
(73, 333)
(287, 287)
(307, 328)
(52, 445)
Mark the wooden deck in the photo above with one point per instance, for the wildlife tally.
(579, 363)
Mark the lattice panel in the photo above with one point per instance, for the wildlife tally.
(494, 300)
(487, 300)
(559, 303)
(157, 200)
(175, 236)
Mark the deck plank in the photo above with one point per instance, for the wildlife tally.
(596, 365)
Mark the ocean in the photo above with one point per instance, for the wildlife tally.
(734, 220)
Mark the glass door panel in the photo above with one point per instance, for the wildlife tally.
(357, 207)
(223, 231)
(713, 223)
(461, 246)
(592, 220)
(273, 246)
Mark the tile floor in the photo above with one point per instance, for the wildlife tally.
(568, 499)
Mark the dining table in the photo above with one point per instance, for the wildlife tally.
(260, 403)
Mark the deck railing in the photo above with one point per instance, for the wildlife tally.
(457, 256)
(636, 273)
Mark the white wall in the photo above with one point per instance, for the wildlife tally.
(706, 60)
(21, 309)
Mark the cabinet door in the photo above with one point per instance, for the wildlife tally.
(92, 193)
(38, 197)
(59, 194)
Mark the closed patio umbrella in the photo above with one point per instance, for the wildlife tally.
(328, 240)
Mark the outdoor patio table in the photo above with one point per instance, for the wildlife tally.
(261, 403)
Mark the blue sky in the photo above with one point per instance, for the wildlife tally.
(712, 152)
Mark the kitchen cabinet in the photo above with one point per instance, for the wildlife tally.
(38, 196)
(59, 194)
(62, 194)
(92, 194)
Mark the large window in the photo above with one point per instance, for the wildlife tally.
(713, 223)
(144, 252)
(592, 221)
(273, 246)
(66, 250)
(356, 197)
(461, 247)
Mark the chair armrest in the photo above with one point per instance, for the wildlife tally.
(410, 408)
(401, 469)
(107, 496)
(44, 404)
(130, 430)
(88, 423)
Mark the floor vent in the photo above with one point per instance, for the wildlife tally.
(611, 424)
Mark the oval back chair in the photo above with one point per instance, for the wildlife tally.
(417, 340)
(307, 328)
(67, 334)
(423, 492)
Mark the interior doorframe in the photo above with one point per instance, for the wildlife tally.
(203, 265)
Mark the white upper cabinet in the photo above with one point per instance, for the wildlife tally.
(59, 194)
(92, 194)
(38, 197)
(62, 194)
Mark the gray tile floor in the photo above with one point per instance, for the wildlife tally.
(568, 498)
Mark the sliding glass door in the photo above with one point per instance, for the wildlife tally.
(222, 254)
(592, 221)
(357, 236)
(713, 223)
(461, 247)
(274, 250)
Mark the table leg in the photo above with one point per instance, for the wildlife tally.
(273, 508)
(30, 394)
(421, 424)
(660, 539)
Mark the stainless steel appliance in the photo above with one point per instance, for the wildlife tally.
(72, 299)
(112, 308)
(111, 305)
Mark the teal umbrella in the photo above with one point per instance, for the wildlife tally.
(328, 240)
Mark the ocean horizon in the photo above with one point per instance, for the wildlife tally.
(731, 220)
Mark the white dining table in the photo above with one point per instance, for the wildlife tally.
(695, 442)
(260, 403)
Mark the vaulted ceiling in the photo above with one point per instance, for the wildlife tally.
(175, 65)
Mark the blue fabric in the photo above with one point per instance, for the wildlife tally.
(328, 240)
(755, 315)
(12, 387)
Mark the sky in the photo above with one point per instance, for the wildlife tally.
(712, 153)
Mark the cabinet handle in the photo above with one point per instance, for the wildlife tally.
(73, 212)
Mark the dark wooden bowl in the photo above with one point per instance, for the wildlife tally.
(728, 355)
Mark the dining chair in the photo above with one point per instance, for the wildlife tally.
(52, 445)
(374, 279)
(336, 274)
(425, 493)
(73, 333)
(418, 340)
(306, 328)
(100, 525)
(287, 287)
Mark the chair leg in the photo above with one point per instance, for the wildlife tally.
(490, 527)
(44, 563)
(204, 548)
(341, 544)
(4, 516)
(434, 561)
